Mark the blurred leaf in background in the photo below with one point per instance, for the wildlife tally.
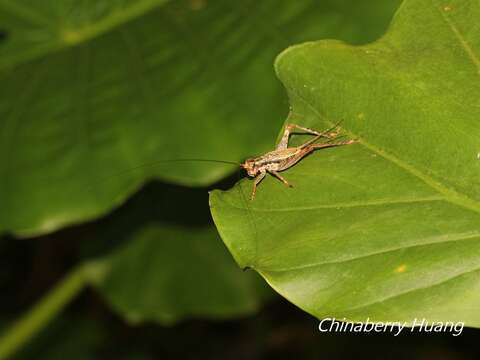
(388, 228)
(94, 88)
(172, 264)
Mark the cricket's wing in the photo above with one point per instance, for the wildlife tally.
(281, 155)
(279, 160)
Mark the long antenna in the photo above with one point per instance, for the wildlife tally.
(157, 162)
(204, 160)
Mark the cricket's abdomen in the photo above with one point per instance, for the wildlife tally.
(279, 160)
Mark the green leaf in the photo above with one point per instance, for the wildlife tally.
(171, 264)
(92, 88)
(169, 273)
(388, 228)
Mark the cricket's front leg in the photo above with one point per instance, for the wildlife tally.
(256, 182)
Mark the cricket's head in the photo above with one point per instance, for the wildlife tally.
(250, 166)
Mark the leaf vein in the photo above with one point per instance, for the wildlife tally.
(75, 37)
(434, 241)
(451, 195)
(352, 204)
(465, 45)
(390, 297)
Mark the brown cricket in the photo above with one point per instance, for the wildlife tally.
(284, 157)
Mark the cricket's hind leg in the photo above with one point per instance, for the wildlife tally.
(311, 147)
(283, 144)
